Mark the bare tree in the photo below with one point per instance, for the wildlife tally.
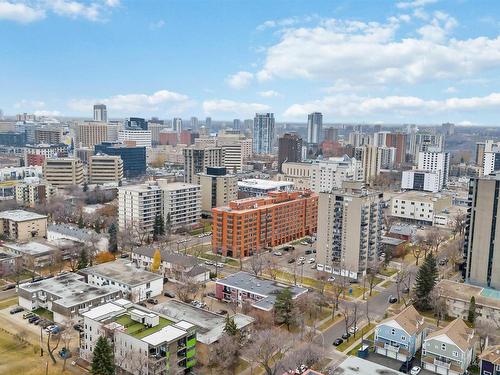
(434, 238)
(484, 330)
(459, 224)
(257, 263)
(306, 354)
(73, 256)
(66, 338)
(438, 304)
(225, 354)
(339, 285)
(186, 289)
(50, 349)
(416, 250)
(268, 349)
(401, 276)
(372, 271)
(272, 267)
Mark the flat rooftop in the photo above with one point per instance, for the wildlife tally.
(391, 241)
(357, 366)
(209, 325)
(32, 248)
(21, 215)
(420, 196)
(173, 186)
(259, 184)
(463, 292)
(122, 271)
(262, 287)
(73, 231)
(70, 288)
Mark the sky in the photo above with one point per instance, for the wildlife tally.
(368, 61)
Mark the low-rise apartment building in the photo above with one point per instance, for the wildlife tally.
(9, 263)
(67, 296)
(144, 342)
(34, 254)
(135, 283)
(261, 293)
(88, 237)
(417, 207)
(250, 225)
(457, 296)
(297, 173)
(20, 225)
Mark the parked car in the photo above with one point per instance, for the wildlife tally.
(304, 243)
(311, 260)
(406, 290)
(338, 341)
(314, 251)
(38, 321)
(406, 367)
(55, 329)
(124, 256)
(209, 263)
(313, 267)
(16, 310)
(32, 319)
(142, 304)
(222, 312)
(78, 327)
(331, 279)
(320, 267)
(153, 301)
(8, 287)
(353, 330)
(345, 336)
(220, 265)
(278, 253)
(415, 370)
(49, 328)
(392, 299)
(302, 259)
(28, 315)
(308, 252)
(169, 294)
(291, 260)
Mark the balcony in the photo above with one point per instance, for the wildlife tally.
(442, 363)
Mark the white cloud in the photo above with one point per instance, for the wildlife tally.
(284, 22)
(354, 106)
(239, 80)
(157, 25)
(450, 90)
(414, 4)
(230, 106)
(369, 53)
(34, 10)
(269, 94)
(46, 113)
(129, 103)
(29, 105)
(20, 12)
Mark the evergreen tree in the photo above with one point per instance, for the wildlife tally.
(425, 281)
(83, 260)
(81, 224)
(158, 227)
(102, 360)
(284, 312)
(471, 317)
(230, 328)
(168, 225)
(161, 226)
(113, 242)
(97, 226)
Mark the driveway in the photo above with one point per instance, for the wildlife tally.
(392, 363)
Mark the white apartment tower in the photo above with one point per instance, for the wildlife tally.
(263, 133)
(327, 175)
(436, 161)
(314, 128)
(349, 230)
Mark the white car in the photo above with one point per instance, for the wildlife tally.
(209, 263)
(320, 267)
(304, 243)
(220, 265)
(353, 330)
(311, 261)
(331, 278)
(301, 259)
(278, 253)
(415, 370)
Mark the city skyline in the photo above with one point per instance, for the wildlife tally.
(429, 61)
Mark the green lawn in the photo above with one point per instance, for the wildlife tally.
(139, 330)
(347, 343)
(388, 271)
(387, 284)
(8, 302)
(44, 313)
(328, 323)
(218, 258)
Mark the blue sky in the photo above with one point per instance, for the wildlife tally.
(417, 61)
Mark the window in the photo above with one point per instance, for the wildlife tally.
(403, 338)
(455, 354)
(393, 331)
(443, 346)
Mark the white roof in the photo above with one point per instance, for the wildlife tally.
(184, 325)
(103, 311)
(20, 215)
(263, 184)
(166, 334)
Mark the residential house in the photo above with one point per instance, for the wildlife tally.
(449, 350)
(400, 336)
(489, 361)
(173, 266)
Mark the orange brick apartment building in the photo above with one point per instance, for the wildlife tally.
(251, 224)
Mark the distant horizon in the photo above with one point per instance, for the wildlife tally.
(409, 61)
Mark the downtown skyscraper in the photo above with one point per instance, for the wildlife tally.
(263, 133)
(314, 128)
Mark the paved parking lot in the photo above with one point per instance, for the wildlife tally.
(392, 363)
